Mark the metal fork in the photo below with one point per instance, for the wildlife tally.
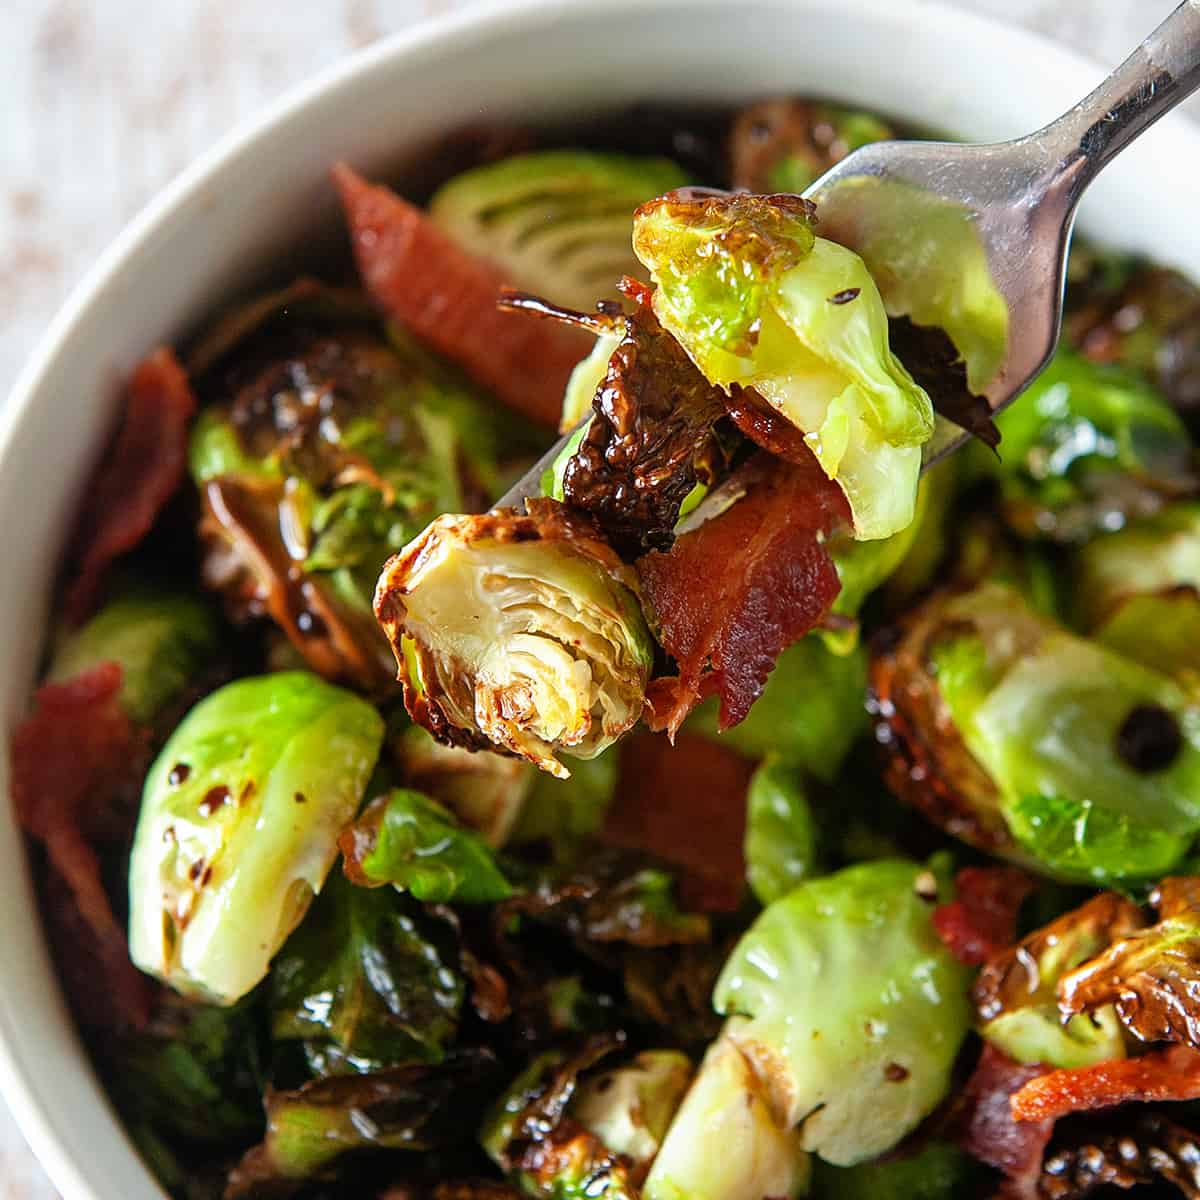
(942, 210)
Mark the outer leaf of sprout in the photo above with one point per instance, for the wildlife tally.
(781, 835)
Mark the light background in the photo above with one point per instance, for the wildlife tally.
(103, 101)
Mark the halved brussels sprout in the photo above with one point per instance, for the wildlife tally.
(1035, 744)
(323, 448)
(517, 632)
(845, 1012)
(757, 300)
(1088, 447)
(239, 824)
(161, 640)
(556, 221)
(1138, 591)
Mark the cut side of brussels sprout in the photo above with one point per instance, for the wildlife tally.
(239, 824)
(757, 300)
(557, 222)
(522, 633)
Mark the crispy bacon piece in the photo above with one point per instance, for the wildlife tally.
(981, 1121)
(981, 921)
(71, 760)
(687, 805)
(735, 592)
(447, 297)
(137, 476)
(1170, 1073)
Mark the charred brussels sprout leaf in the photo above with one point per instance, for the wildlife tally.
(939, 1171)
(239, 823)
(522, 633)
(558, 222)
(416, 1108)
(161, 640)
(845, 1014)
(196, 1072)
(809, 714)
(1088, 447)
(781, 834)
(1016, 995)
(1151, 976)
(370, 975)
(1036, 744)
(325, 447)
(413, 843)
(757, 300)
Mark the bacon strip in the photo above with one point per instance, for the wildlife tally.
(447, 297)
(730, 596)
(686, 804)
(71, 759)
(1172, 1073)
(136, 478)
(982, 921)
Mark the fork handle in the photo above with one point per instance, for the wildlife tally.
(1161, 72)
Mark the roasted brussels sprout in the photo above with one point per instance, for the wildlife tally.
(323, 448)
(786, 145)
(937, 1171)
(845, 1011)
(238, 828)
(1035, 744)
(557, 221)
(413, 843)
(522, 633)
(1016, 994)
(1138, 591)
(757, 300)
(162, 641)
(1088, 447)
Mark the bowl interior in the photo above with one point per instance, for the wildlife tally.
(260, 204)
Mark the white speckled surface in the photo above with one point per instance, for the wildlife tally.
(102, 101)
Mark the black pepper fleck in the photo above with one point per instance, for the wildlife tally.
(845, 297)
(1149, 739)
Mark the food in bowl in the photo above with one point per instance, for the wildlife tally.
(897, 899)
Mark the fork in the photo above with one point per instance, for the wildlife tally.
(992, 221)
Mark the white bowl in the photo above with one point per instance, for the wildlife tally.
(247, 206)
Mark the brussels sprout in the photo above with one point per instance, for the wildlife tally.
(413, 843)
(1138, 591)
(1016, 994)
(556, 221)
(565, 811)
(938, 1171)
(757, 300)
(810, 712)
(486, 792)
(1036, 744)
(420, 1107)
(1088, 447)
(519, 632)
(781, 835)
(324, 448)
(845, 1015)
(239, 823)
(367, 981)
(629, 1108)
(577, 402)
(728, 1140)
(787, 145)
(161, 640)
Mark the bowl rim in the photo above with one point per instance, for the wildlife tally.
(477, 20)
